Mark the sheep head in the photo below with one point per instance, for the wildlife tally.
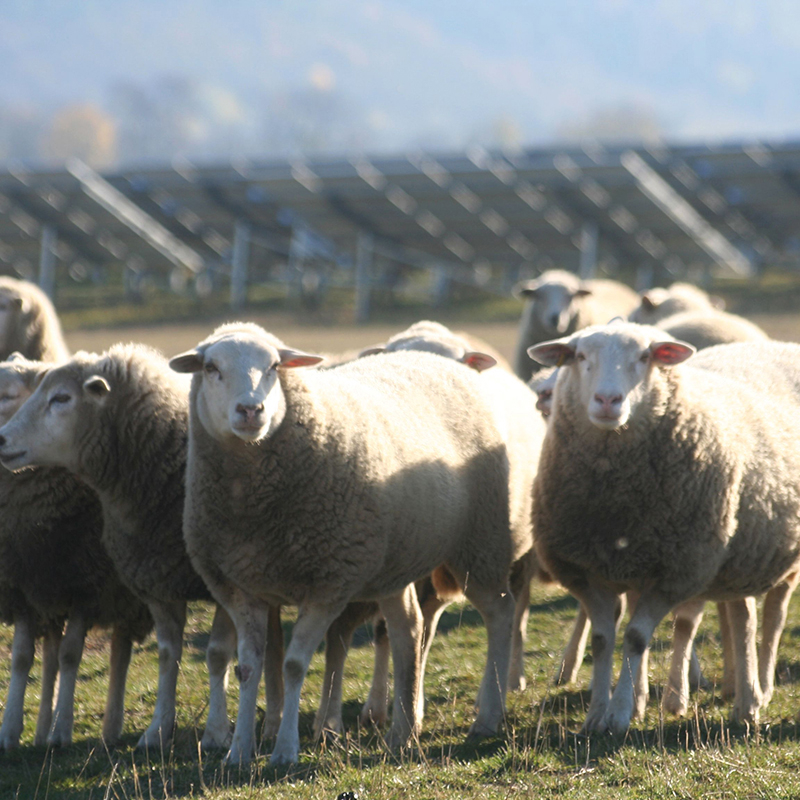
(236, 388)
(609, 369)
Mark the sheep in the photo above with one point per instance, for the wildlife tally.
(657, 304)
(119, 422)
(318, 488)
(703, 329)
(28, 323)
(562, 303)
(433, 337)
(53, 568)
(679, 482)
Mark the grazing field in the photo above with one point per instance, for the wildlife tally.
(541, 753)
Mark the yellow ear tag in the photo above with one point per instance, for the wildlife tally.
(561, 359)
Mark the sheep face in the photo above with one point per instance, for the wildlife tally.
(18, 379)
(44, 431)
(554, 300)
(11, 306)
(608, 369)
(238, 393)
(543, 385)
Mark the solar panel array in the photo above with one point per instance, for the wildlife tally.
(731, 209)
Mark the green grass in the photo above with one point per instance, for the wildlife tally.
(541, 753)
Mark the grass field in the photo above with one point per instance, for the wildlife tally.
(540, 754)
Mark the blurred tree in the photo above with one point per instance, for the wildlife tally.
(82, 131)
(626, 122)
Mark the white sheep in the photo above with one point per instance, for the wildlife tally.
(433, 337)
(561, 303)
(658, 303)
(28, 323)
(681, 483)
(119, 421)
(53, 568)
(317, 488)
(703, 329)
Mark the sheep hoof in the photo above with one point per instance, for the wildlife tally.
(673, 702)
(270, 728)
(215, 741)
(59, 739)
(237, 756)
(373, 715)
(283, 757)
(517, 683)
(152, 739)
(330, 727)
(10, 741)
(480, 730)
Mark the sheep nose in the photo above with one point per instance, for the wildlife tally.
(554, 320)
(249, 412)
(608, 400)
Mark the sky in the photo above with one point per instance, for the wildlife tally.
(433, 73)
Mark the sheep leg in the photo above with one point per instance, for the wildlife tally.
(70, 654)
(743, 624)
(220, 652)
(776, 607)
(650, 610)
(603, 606)
(118, 663)
(687, 616)
(309, 630)
(497, 609)
(728, 655)
(50, 643)
(641, 684)
(170, 619)
(521, 576)
(273, 673)
(404, 621)
(23, 648)
(338, 639)
(376, 709)
(576, 647)
(432, 607)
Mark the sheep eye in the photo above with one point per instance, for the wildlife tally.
(580, 357)
(210, 368)
(645, 357)
(59, 399)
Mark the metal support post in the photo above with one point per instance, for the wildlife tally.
(239, 262)
(47, 260)
(588, 266)
(364, 248)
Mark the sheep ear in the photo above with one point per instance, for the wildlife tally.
(526, 289)
(16, 356)
(648, 302)
(717, 302)
(297, 358)
(478, 361)
(96, 387)
(190, 361)
(38, 377)
(671, 353)
(372, 351)
(553, 354)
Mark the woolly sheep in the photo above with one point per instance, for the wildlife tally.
(676, 481)
(543, 384)
(318, 488)
(53, 568)
(28, 323)
(119, 422)
(433, 337)
(703, 329)
(658, 304)
(562, 303)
